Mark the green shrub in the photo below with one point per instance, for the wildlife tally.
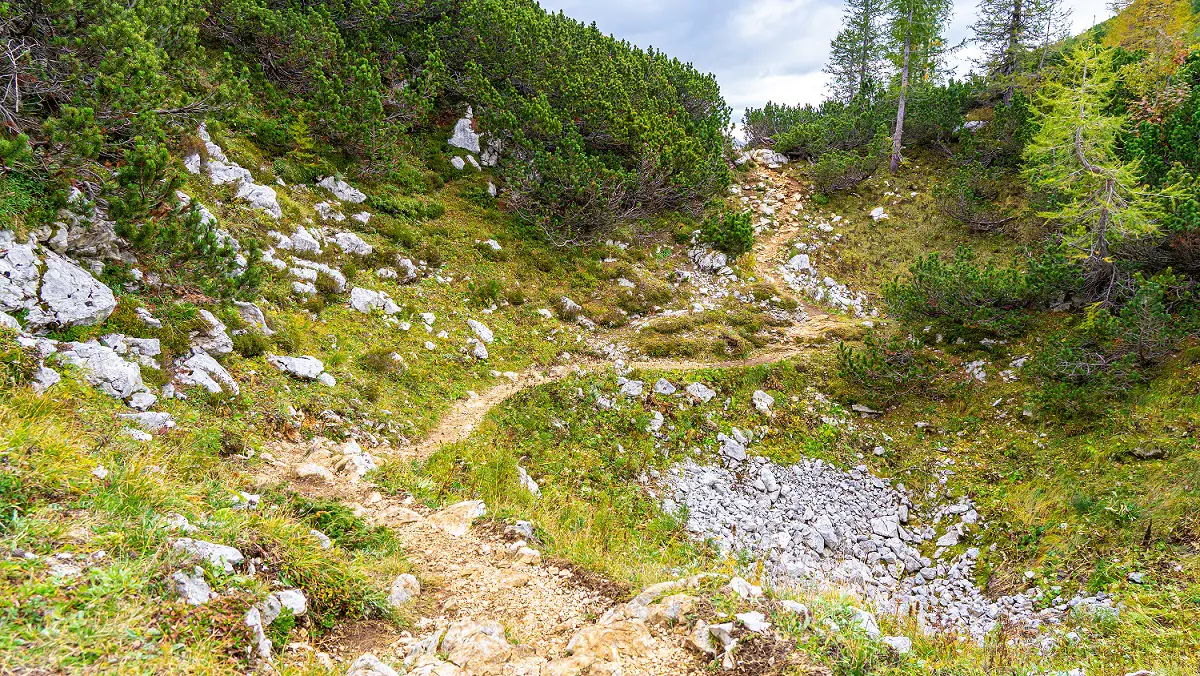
(251, 344)
(413, 209)
(883, 370)
(346, 530)
(486, 293)
(970, 195)
(1100, 359)
(961, 297)
(730, 232)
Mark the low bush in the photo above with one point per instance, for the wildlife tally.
(413, 209)
(886, 368)
(963, 297)
(730, 232)
(1084, 368)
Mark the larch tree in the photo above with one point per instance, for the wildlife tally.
(1011, 32)
(857, 58)
(916, 46)
(1073, 158)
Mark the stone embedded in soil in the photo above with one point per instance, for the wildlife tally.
(457, 519)
(404, 589)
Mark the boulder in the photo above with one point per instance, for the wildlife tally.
(701, 392)
(664, 387)
(481, 332)
(352, 244)
(202, 370)
(763, 402)
(465, 136)
(744, 589)
(367, 301)
(214, 338)
(262, 644)
(866, 621)
(105, 369)
(19, 274)
(260, 197)
(625, 637)
(70, 296)
(305, 368)
(474, 646)
(192, 588)
(254, 317)
(294, 600)
(222, 556)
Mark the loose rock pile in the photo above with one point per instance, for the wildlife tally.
(815, 524)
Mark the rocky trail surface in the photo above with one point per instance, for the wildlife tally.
(489, 603)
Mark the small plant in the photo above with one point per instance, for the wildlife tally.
(251, 345)
(412, 209)
(730, 232)
(963, 297)
(486, 293)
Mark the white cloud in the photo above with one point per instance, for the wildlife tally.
(762, 50)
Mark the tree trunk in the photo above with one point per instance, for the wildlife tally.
(1009, 68)
(898, 133)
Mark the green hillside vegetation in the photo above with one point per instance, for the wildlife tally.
(1040, 226)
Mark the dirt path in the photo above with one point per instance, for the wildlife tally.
(769, 252)
(487, 602)
(473, 580)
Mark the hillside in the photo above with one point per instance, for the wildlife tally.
(454, 338)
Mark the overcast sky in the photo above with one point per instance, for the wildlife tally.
(760, 50)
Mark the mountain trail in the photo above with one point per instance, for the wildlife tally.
(487, 600)
(488, 603)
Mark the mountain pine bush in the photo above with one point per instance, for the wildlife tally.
(593, 130)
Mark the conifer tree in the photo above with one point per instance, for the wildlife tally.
(1010, 33)
(916, 28)
(856, 62)
(1074, 158)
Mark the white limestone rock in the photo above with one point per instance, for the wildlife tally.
(404, 589)
(367, 301)
(191, 587)
(305, 368)
(342, 190)
(201, 370)
(254, 317)
(103, 368)
(214, 339)
(352, 244)
(465, 136)
(481, 331)
(70, 296)
(222, 556)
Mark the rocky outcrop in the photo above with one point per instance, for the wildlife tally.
(342, 190)
(53, 289)
(106, 370)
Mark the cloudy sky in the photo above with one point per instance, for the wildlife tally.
(760, 50)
